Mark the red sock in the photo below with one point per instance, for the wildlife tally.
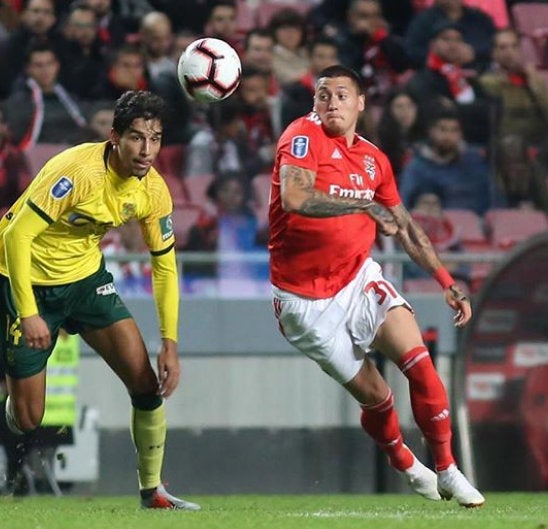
(429, 403)
(380, 421)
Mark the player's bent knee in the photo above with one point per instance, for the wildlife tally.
(146, 401)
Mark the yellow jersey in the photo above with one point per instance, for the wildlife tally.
(80, 197)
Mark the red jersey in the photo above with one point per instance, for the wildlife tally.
(317, 257)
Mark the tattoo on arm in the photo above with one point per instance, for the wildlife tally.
(415, 241)
(298, 183)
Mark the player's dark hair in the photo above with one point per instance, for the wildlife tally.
(135, 104)
(338, 70)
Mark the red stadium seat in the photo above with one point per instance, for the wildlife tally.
(496, 9)
(170, 160)
(531, 20)
(185, 217)
(169, 164)
(38, 155)
(196, 188)
(507, 227)
(176, 188)
(245, 17)
(419, 5)
(530, 16)
(469, 228)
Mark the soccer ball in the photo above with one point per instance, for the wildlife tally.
(209, 70)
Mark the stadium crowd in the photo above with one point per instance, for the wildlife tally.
(456, 96)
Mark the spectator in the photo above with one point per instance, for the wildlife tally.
(259, 54)
(14, 171)
(478, 30)
(131, 12)
(126, 72)
(520, 179)
(328, 14)
(221, 147)
(291, 60)
(367, 46)
(400, 126)
(298, 97)
(258, 115)
(161, 73)
(221, 23)
(156, 37)
(234, 228)
(42, 111)
(83, 69)
(112, 31)
(443, 81)
(446, 166)
(181, 39)
(520, 87)
(101, 115)
(37, 26)
(9, 19)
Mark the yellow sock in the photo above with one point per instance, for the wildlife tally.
(148, 430)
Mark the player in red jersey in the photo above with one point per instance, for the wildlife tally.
(330, 190)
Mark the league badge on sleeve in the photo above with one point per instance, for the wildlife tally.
(166, 227)
(61, 188)
(299, 146)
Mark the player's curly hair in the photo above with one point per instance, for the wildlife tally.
(135, 104)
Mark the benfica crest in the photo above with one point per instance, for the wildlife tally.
(369, 166)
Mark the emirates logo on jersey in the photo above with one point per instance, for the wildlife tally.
(369, 166)
(344, 192)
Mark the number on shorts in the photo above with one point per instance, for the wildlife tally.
(382, 289)
(15, 331)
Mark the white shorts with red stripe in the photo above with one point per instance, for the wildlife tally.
(337, 332)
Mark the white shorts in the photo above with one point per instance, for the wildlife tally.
(337, 332)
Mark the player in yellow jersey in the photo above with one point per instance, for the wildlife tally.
(52, 275)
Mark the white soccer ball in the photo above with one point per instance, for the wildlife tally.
(209, 70)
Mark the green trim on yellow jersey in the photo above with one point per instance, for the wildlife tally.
(38, 211)
(81, 198)
(162, 252)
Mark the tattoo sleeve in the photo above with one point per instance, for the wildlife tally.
(298, 187)
(415, 241)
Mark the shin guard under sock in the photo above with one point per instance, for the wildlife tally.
(148, 430)
(429, 404)
(380, 421)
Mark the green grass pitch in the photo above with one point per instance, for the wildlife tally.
(501, 511)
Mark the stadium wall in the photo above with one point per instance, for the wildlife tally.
(251, 415)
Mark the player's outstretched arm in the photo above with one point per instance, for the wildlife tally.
(419, 247)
